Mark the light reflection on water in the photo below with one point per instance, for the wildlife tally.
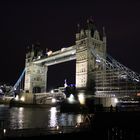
(20, 118)
(53, 117)
(17, 118)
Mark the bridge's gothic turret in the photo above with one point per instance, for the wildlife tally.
(35, 75)
(86, 63)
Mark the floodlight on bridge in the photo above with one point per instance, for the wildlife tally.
(97, 60)
(22, 99)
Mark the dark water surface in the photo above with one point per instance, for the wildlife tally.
(105, 125)
(21, 117)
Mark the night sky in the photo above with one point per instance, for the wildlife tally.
(54, 25)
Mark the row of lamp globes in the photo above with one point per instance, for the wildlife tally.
(71, 99)
(22, 98)
(53, 99)
(81, 98)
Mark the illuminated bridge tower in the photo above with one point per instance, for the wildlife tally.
(86, 63)
(35, 76)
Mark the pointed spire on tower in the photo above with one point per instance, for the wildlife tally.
(32, 47)
(78, 27)
(91, 19)
(27, 49)
(65, 83)
(104, 41)
(104, 34)
(90, 24)
(32, 52)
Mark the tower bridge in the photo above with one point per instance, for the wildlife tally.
(96, 71)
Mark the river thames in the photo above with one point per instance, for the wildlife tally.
(33, 121)
(22, 118)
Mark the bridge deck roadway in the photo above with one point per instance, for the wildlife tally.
(63, 55)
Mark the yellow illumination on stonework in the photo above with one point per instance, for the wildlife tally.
(22, 98)
(81, 98)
